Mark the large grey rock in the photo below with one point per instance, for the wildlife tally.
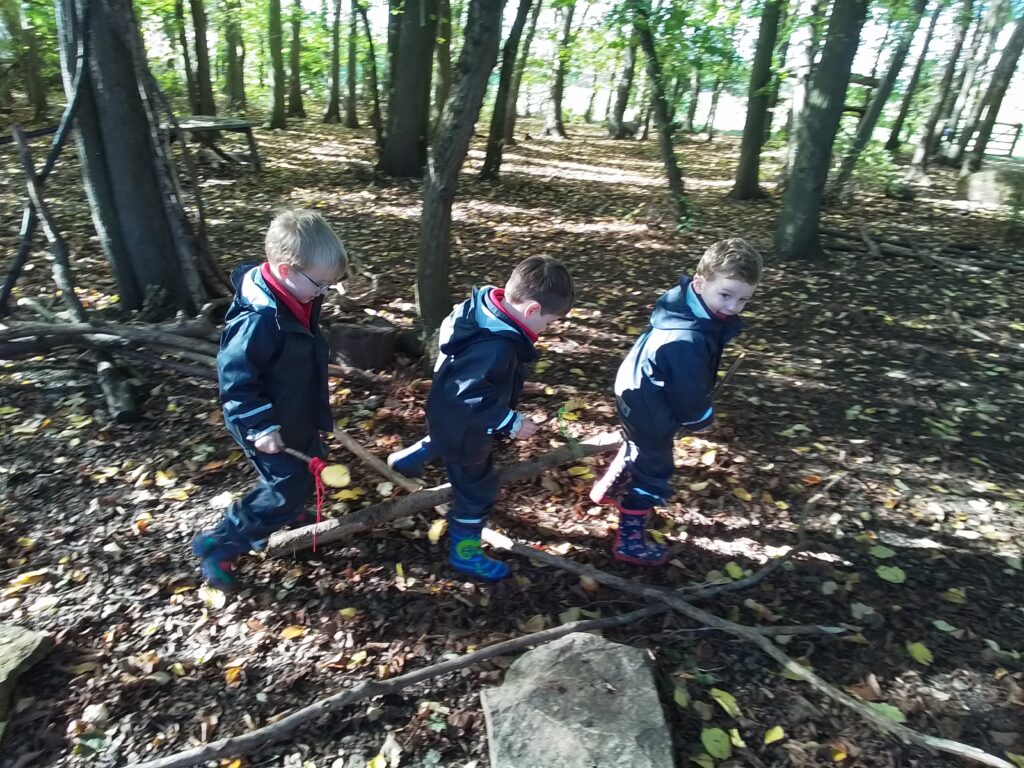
(579, 702)
(19, 649)
(999, 185)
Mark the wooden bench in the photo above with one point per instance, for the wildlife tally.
(205, 129)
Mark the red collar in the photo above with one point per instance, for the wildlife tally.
(498, 296)
(302, 312)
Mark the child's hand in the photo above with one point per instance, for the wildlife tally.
(271, 443)
(527, 430)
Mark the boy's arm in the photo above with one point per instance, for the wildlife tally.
(246, 348)
(687, 387)
(480, 393)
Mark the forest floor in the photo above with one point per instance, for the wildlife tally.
(895, 382)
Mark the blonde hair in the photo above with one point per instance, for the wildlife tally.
(734, 258)
(303, 238)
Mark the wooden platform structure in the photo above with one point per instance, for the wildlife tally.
(206, 130)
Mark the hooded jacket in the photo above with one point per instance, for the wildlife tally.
(477, 379)
(666, 381)
(271, 369)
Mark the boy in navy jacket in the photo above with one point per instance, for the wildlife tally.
(272, 374)
(485, 344)
(665, 385)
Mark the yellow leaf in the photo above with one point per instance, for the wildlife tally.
(348, 613)
(782, 505)
(165, 479)
(632, 330)
(377, 762)
(349, 494)
(30, 577)
(577, 372)
(336, 475)
(920, 653)
(708, 457)
(742, 493)
(839, 752)
(357, 658)
(295, 630)
(734, 570)
(773, 734)
(213, 598)
(176, 494)
(570, 416)
(699, 486)
(574, 404)
(437, 529)
(658, 536)
(233, 675)
(955, 595)
(26, 543)
(727, 702)
(736, 739)
(578, 471)
(1016, 759)
(236, 763)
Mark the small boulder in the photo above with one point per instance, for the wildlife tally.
(998, 185)
(20, 648)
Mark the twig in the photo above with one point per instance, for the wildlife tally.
(238, 745)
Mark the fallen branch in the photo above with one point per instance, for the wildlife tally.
(238, 745)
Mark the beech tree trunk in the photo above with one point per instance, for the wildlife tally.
(277, 81)
(444, 61)
(554, 124)
(511, 109)
(625, 86)
(235, 80)
(893, 142)
(806, 46)
(295, 107)
(204, 85)
(351, 118)
(333, 112)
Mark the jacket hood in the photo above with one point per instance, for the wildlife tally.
(681, 309)
(478, 319)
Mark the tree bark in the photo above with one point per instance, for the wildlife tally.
(235, 56)
(642, 25)
(277, 81)
(695, 87)
(295, 107)
(511, 109)
(867, 124)
(930, 133)
(204, 84)
(351, 118)
(190, 79)
(893, 142)
(333, 113)
(748, 172)
(371, 70)
(444, 62)
(26, 55)
(509, 55)
(806, 45)
(615, 127)
(1001, 78)
(405, 143)
(477, 59)
(776, 84)
(554, 124)
(797, 233)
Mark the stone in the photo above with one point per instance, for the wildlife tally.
(998, 185)
(362, 345)
(578, 702)
(20, 648)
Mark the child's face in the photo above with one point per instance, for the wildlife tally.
(307, 283)
(538, 322)
(725, 296)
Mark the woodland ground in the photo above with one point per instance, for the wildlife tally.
(899, 375)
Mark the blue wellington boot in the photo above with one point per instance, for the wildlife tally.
(411, 461)
(466, 556)
(632, 544)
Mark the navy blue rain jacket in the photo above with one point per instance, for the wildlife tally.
(666, 381)
(272, 370)
(477, 379)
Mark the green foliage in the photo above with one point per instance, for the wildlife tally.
(875, 167)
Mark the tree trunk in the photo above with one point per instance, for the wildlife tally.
(395, 16)
(930, 132)
(797, 233)
(691, 108)
(908, 97)
(333, 113)
(612, 89)
(444, 62)
(615, 127)
(477, 59)
(511, 109)
(776, 84)
(190, 78)
(554, 125)
(716, 94)
(405, 143)
(492, 161)
(867, 124)
(295, 107)
(748, 172)
(371, 70)
(207, 106)
(351, 118)
(1001, 78)
(806, 45)
(139, 219)
(277, 81)
(969, 98)
(642, 25)
(233, 43)
(26, 55)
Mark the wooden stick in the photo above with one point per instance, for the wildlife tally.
(238, 745)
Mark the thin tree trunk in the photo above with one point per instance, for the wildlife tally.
(797, 233)
(615, 127)
(233, 43)
(190, 79)
(716, 94)
(810, 14)
(376, 122)
(554, 124)
(207, 106)
(492, 160)
(867, 124)
(612, 89)
(477, 59)
(893, 142)
(333, 113)
(691, 108)
(511, 110)
(295, 107)
(773, 94)
(930, 132)
(351, 118)
(642, 25)
(277, 80)
(32, 69)
(395, 16)
(444, 62)
(748, 172)
(1001, 78)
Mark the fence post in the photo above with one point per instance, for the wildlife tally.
(1016, 136)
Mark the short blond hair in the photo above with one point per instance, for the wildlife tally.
(303, 238)
(734, 258)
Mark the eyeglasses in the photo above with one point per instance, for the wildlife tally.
(321, 288)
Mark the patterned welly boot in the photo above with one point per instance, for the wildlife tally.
(605, 490)
(632, 544)
(466, 556)
(215, 564)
